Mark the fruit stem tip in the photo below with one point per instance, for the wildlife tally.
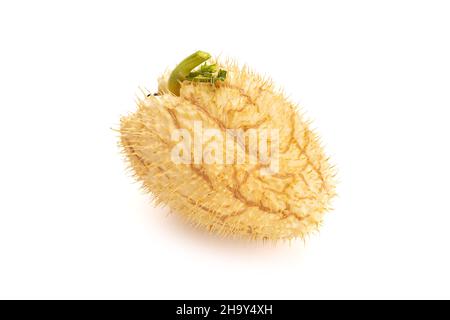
(183, 69)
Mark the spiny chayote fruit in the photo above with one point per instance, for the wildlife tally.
(283, 195)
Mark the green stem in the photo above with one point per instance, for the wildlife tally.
(183, 69)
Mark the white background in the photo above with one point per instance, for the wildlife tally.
(374, 76)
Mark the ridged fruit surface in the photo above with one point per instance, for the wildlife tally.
(231, 199)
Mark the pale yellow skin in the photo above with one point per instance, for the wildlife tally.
(231, 199)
